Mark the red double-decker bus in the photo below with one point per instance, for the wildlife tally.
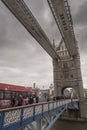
(9, 91)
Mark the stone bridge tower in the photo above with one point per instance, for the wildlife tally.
(67, 73)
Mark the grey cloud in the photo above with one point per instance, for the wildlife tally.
(40, 9)
(81, 15)
(81, 36)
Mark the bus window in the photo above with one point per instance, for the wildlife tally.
(29, 94)
(24, 94)
(1, 94)
(17, 94)
(7, 94)
(13, 94)
(33, 94)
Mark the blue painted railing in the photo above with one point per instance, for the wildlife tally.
(17, 117)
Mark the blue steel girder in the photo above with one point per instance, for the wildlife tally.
(32, 126)
(25, 16)
(55, 119)
(62, 15)
(74, 105)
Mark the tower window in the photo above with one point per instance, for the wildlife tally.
(71, 75)
(61, 76)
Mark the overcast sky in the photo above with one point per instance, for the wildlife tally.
(22, 60)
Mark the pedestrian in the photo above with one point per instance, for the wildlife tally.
(48, 99)
(20, 100)
(34, 99)
(37, 99)
(31, 100)
(13, 102)
(54, 98)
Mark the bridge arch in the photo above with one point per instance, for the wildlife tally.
(69, 92)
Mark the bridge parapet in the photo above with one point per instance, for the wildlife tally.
(17, 117)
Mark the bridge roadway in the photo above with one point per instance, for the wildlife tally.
(62, 15)
(25, 16)
(20, 117)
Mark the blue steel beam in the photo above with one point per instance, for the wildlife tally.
(47, 119)
(55, 119)
(25, 16)
(39, 124)
(32, 126)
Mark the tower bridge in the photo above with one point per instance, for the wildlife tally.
(65, 57)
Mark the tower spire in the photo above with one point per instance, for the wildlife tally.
(54, 44)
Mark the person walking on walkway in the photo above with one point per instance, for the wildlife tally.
(20, 100)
